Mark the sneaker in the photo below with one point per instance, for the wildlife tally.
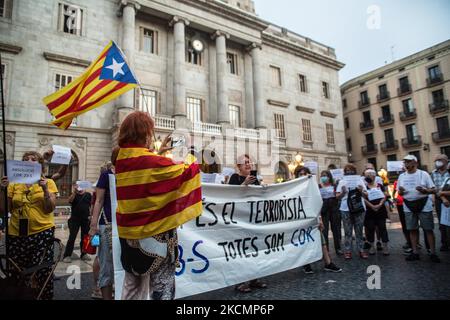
(372, 250)
(408, 251)
(406, 246)
(307, 269)
(348, 256)
(435, 258)
(429, 252)
(85, 257)
(67, 259)
(445, 249)
(385, 249)
(413, 257)
(332, 268)
(379, 246)
(363, 255)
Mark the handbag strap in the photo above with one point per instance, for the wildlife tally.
(104, 217)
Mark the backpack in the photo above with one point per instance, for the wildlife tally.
(355, 202)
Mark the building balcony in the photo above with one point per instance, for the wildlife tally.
(439, 107)
(410, 115)
(368, 125)
(443, 136)
(369, 149)
(164, 123)
(206, 128)
(386, 121)
(364, 104)
(247, 133)
(404, 90)
(389, 146)
(383, 97)
(412, 142)
(435, 80)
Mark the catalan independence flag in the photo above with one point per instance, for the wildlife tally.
(108, 77)
(154, 194)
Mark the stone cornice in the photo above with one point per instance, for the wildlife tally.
(315, 151)
(414, 58)
(300, 51)
(65, 59)
(305, 109)
(10, 48)
(278, 103)
(49, 126)
(328, 114)
(228, 12)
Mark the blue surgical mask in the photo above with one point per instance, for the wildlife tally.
(324, 180)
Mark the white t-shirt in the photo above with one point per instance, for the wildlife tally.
(410, 181)
(344, 205)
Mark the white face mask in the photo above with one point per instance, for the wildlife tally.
(439, 164)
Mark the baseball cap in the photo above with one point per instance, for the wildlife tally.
(410, 157)
(441, 157)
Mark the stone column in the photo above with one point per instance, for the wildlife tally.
(179, 91)
(223, 115)
(258, 94)
(129, 10)
(249, 104)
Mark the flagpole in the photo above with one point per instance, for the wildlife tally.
(5, 194)
(138, 82)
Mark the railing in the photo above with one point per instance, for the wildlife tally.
(383, 96)
(404, 90)
(439, 106)
(412, 142)
(208, 128)
(366, 125)
(369, 149)
(165, 123)
(382, 121)
(389, 146)
(247, 133)
(404, 116)
(363, 104)
(441, 136)
(435, 80)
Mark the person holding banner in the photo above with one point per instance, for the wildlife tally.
(416, 187)
(376, 213)
(245, 177)
(155, 195)
(351, 190)
(31, 230)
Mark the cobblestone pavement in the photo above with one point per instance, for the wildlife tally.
(400, 279)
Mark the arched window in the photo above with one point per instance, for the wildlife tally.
(65, 183)
(281, 172)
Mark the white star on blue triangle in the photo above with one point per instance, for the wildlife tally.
(115, 68)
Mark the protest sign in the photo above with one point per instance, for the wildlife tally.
(337, 174)
(395, 166)
(23, 171)
(352, 182)
(85, 185)
(62, 155)
(312, 166)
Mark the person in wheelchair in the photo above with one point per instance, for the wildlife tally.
(31, 230)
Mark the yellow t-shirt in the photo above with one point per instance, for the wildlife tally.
(28, 202)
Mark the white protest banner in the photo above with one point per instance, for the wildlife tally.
(312, 166)
(352, 182)
(208, 177)
(395, 166)
(445, 215)
(244, 233)
(23, 171)
(85, 185)
(337, 174)
(62, 155)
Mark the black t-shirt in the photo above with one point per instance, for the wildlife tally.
(236, 179)
(81, 205)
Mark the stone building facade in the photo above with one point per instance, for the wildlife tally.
(399, 109)
(210, 67)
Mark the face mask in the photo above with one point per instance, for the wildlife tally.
(439, 164)
(368, 179)
(79, 189)
(324, 180)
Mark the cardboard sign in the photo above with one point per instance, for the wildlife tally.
(312, 166)
(395, 166)
(62, 155)
(84, 185)
(23, 171)
(209, 177)
(337, 174)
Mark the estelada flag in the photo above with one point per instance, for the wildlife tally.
(154, 194)
(108, 77)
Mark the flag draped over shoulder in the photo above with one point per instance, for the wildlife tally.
(108, 77)
(154, 194)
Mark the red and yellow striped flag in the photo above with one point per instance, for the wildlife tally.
(154, 194)
(108, 77)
